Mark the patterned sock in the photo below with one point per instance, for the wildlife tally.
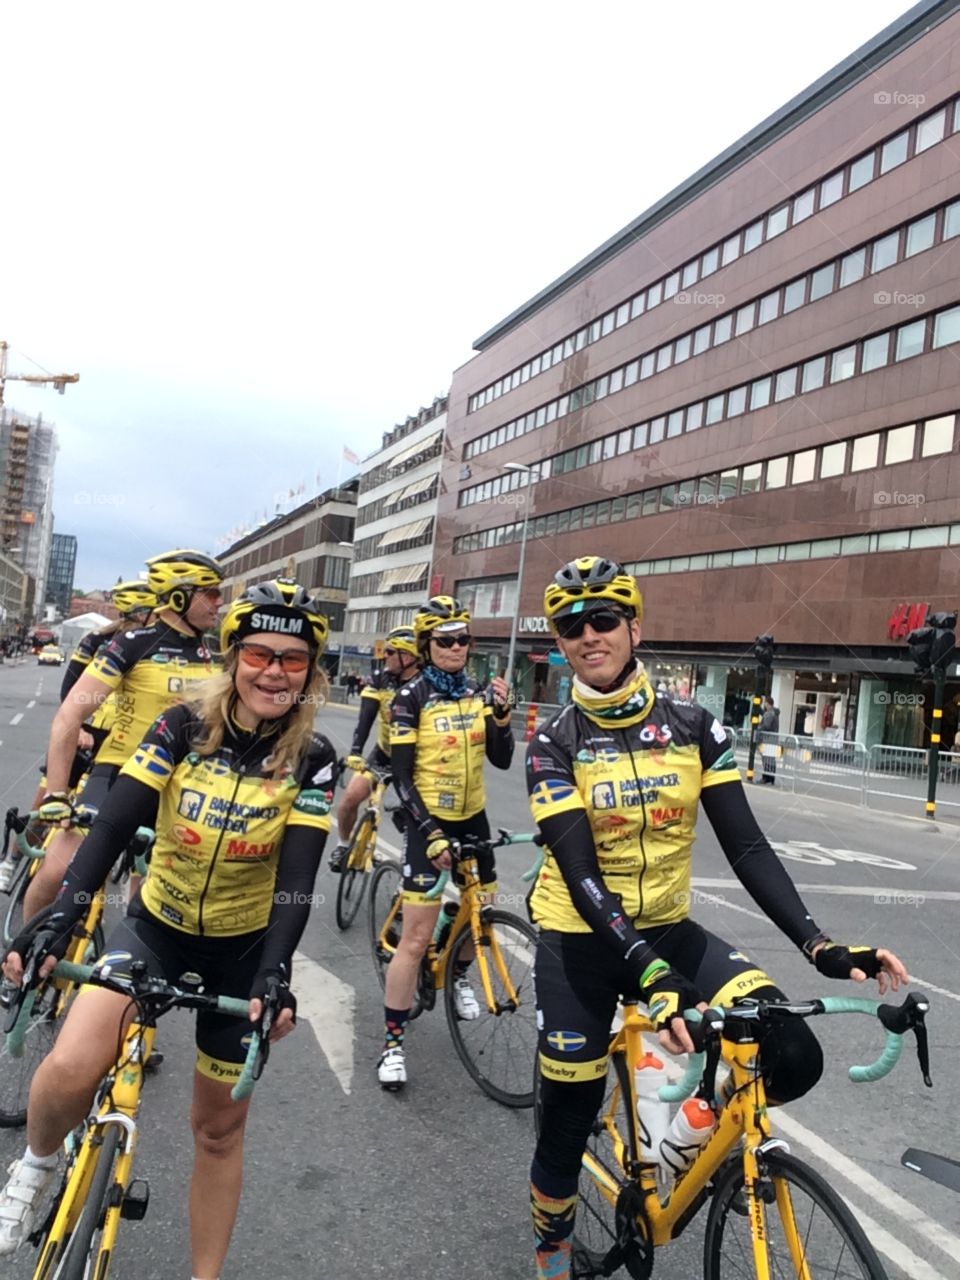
(553, 1207)
(395, 1024)
(461, 968)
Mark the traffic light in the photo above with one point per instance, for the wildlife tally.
(763, 651)
(933, 647)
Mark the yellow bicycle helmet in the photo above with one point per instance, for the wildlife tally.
(439, 611)
(402, 638)
(132, 597)
(173, 576)
(280, 607)
(589, 581)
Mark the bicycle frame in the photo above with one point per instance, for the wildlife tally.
(362, 859)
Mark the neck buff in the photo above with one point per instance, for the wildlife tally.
(624, 706)
(452, 683)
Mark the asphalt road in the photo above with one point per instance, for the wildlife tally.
(345, 1181)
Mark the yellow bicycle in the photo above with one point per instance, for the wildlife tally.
(770, 1215)
(77, 1237)
(494, 947)
(358, 860)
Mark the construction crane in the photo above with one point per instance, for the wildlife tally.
(59, 380)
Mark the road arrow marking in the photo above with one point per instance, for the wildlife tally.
(329, 1005)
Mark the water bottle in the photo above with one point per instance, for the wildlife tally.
(448, 913)
(649, 1074)
(689, 1130)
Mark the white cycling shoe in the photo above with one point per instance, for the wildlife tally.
(392, 1070)
(19, 1201)
(464, 1001)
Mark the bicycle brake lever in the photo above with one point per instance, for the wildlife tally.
(923, 1051)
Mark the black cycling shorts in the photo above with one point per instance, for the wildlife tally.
(226, 965)
(419, 873)
(579, 982)
(378, 759)
(99, 781)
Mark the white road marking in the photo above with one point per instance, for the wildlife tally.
(848, 890)
(17, 718)
(30, 704)
(329, 1005)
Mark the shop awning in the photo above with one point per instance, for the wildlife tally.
(391, 578)
(418, 486)
(404, 532)
(426, 443)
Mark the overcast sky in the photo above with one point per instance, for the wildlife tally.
(261, 232)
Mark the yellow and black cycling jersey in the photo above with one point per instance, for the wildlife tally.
(639, 787)
(148, 670)
(375, 703)
(220, 824)
(101, 721)
(438, 744)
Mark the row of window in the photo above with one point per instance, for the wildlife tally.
(370, 479)
(858, 544)
(887, 155)
(388, 506)
(371, 584)
(926, 333)
(370, 547)
(885, 251)
(885, 448)
(377, 622)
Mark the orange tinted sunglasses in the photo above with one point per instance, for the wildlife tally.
(261, 657)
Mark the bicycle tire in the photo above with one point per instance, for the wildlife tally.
(13, 916)
(728, 1231)
(498, 1048)
(16, 1074)
(75, 1262)
(385, 884)
(353, 880)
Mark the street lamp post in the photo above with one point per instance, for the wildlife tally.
(511, 653)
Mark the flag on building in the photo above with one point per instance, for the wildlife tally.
(350, 456)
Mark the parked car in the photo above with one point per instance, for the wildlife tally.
(50, 655)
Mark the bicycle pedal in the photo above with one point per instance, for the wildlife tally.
(136, 1200)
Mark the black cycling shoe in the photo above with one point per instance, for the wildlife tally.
(336, 858)
(154, 1061)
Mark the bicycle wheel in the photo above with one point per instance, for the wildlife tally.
(13, 917)
(78, 1259)
(386, 921)
(499, 1046)
(16, 1074)
(355, 872)
(823, 1240)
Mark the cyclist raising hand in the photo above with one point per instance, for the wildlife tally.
(615, 781)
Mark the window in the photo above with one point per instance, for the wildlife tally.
(721, 559)
(858, 544)
(657, 427)
(935, 536)
(731, 250)
(803, 205)
(671, 285)
(861, 171)
(760, 393)
(746, 317)
(750, 478)
(753, 236)
(654, 295)
(797, 551)
(920, 234)
(768, 555)
(728, 484)
(777, 221)
(910, 339)
(714, 410)
(701, 340)
(833, 459)
(951, 219)
(722, 329)
(824, 547)
(814, 373)
(665, 357)
(691, 274)
(710, 260)
(831, 189)
(946, 327)
(876, 352)
(681, 349)
(786, 384)
(804, 466)
(685, 492)
(647, 365)
(937, 436)
(821, 282)
(679, 564)
(900, 444)
(844, 364)
(736, 401)
(776, 473)
(668, 497)
(769, 306)
(633, 506)
(603, 513)
(853, 267)
(607, 324)
(746, 555)
(931, 130)
(866, 452)
(703, 562)
(637, 305)
(894, 152)
(631, 373)
(616, 381)
(885, 251)
(650, 502)
(708, 487)
(695, 416)
(675, 423)
(894, 540)
(794, 295)
(624, 441)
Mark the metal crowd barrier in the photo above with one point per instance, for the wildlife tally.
(900, 774)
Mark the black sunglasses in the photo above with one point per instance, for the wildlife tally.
(447, 642)
(602, 620)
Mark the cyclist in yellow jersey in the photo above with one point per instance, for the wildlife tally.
(400, 664)
(146, 670)
(443, 727)
(615, 780)
(245, 788)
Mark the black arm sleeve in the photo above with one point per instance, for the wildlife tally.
(402, 757)
(570, 840)
(369, 710)
(756, 865)
(499, 743)
(74, 671)
(297, 869)
(129, 804)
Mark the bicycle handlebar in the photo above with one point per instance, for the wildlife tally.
(151, 989)
(471, 844)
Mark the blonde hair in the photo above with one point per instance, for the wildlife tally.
(219, 694)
